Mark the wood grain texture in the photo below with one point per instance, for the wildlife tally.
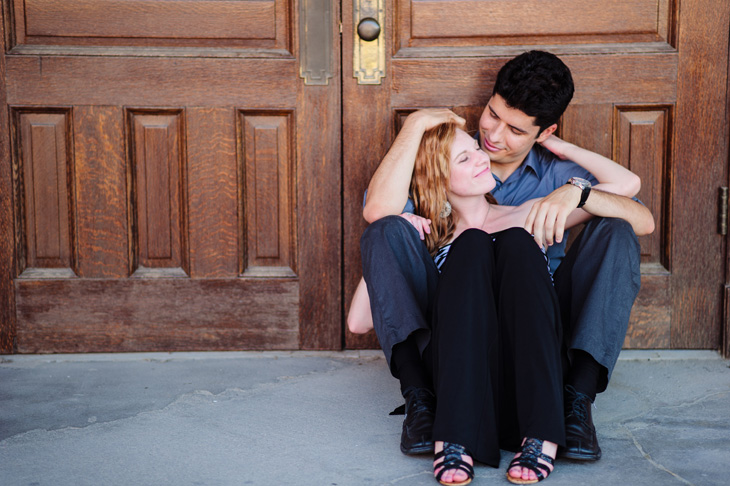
(157, 208)
(507, 27)
(319, 214)
(607, 130)
(518, 18)
(215, 23)
(645, 78)
(642, 145)
(368, 129)
(45, 160)
(268, 194)
(701, 151)
(651, 316)
(142, 82)
(149, 18)
(101, 192)
(7, 222)
(212, 192)
(99, 315)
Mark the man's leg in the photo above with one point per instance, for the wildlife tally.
(597, 284)
(401, 279)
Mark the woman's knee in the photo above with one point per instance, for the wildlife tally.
(516, 241)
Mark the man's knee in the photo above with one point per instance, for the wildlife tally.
(614, 234)
(387, 229)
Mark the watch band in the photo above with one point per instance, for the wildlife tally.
(584, 186)
(584, 196)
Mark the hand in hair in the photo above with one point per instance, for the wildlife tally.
(421, 224)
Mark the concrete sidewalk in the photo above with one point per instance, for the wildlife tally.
(319, 419)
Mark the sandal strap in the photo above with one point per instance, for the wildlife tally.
(531, 452)
(452, 460)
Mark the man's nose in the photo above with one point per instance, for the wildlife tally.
(498, 132)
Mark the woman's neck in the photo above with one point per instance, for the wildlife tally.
(470, 213)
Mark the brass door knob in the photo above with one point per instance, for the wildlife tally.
(368, 29)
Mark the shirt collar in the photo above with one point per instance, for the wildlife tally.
(530, 164)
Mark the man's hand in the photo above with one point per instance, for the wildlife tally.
(423, 225)
(546, 220)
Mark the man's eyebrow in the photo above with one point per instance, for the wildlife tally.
(511, 126)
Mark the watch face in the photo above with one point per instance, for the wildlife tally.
(582, 183)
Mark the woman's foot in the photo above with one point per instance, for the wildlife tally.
(534, 463)
(452, 465)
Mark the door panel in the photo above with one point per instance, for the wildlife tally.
(166, 164)
(633, 96)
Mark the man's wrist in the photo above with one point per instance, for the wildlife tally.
(585, 187)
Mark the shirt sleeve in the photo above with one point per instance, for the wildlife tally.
(565, 169)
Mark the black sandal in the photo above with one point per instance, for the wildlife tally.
(452, 460)
(531, 452)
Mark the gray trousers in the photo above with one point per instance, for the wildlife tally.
(597, 283)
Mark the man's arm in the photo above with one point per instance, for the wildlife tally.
(552, 214)
(388, 189)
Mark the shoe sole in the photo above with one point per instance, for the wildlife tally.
(423, 448)
(575, 456)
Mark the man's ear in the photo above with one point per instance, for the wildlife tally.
(546, 133)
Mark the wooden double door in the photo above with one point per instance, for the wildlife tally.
(182, 175)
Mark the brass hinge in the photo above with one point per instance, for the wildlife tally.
(722, 213)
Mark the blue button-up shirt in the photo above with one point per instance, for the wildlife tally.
(539, 175)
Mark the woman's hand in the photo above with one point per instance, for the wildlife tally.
(423, 225)
(557, 146)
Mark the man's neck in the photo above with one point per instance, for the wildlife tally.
(503, 171)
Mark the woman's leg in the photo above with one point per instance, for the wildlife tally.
(465, 344)
(530, 339)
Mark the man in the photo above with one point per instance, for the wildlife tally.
(601, 270)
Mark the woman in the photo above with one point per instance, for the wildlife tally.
(495, 332)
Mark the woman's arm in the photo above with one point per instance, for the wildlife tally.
(388, 189)
(360, 318)
(611, 176)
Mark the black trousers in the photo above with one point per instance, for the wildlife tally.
(496, 338)
(597, 283)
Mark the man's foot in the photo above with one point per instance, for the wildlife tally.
(418, 424)
(533, 463)
(581, 442)
(452, 464)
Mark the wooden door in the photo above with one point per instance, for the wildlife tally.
(170, 176)
(651, 93)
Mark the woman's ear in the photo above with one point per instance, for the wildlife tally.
(546, 133)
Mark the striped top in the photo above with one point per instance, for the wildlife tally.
(443, 252)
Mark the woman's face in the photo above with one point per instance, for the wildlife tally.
(470, 173)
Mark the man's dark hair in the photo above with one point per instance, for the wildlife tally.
(537, 83)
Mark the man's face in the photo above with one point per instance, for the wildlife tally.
(508, 134)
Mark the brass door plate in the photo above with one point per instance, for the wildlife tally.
(368, 57)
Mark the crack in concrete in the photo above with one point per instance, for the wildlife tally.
(651, 461)
(332, 366)
(408, 476)
(697, 400)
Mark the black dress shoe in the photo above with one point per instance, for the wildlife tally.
(581, 442)
(418, 424)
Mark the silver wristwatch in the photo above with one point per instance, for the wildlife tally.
(584, 186)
